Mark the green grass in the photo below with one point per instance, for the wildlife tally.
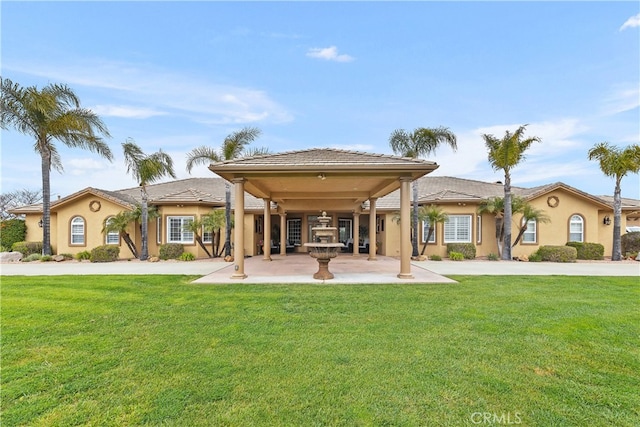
(144, 350)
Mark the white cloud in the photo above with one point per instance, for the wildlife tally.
(622, 99)
(125, 111)
(328, 54)
(190, 96)
(632, 22)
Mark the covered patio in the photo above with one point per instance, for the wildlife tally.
(318, 180)
(299, 268)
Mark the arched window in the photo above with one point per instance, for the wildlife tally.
(77, 231)
(576, 229)
(112, 237)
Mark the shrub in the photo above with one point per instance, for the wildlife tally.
(493, 257)
(83, 255)
(46, 258)
(535, 257)
(468, 250)
(66, 256)
(12, 231)
(27, 248)
(630, 243)
(32, 257)
(588, 250)
(4, 249)
(187, 256)
(105, 253)
(171, 250)
(456, 256)
(558, 253)
(435, 258)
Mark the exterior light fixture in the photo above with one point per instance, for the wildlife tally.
(322, 176)
(40, 223)
(606, 220)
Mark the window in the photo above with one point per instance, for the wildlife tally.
(576, 229)
(312, 221)
(77, 230)
(344, 229)
(176, 232)
(530, 233)
(207, 236)
(478, 229)
(425, 232)
(294, 231)
(457, 229)
(112, 237)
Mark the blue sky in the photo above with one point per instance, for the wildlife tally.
(177, 75)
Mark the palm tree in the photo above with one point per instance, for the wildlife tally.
(616, 163)
(420, 142)
(530, 213)
(52, 113)
(505, 154)
(120, 223)
(495, 206)
(195, 227)
(234, 146)
(433, 214)
(146, 169)
(213, 222)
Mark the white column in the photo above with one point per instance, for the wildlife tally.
(238, 239)
(405, 228)
(266, 231)
(356, 234)
(372, 229)
(283, 233)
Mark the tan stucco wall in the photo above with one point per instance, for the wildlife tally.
(554, 233)
(94, 222)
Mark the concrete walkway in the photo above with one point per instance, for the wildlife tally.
(299, 268)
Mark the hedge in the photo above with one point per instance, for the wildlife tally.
(586, 250)
(12, 231)
(171, 250)
(558, 253)
(468, 250)
(105, 253)
(630, 243)
(27, 248)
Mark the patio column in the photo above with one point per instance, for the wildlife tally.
(356, 234)
(266, 231)
(405, 228)
(283, 233)
(372, 230)
(238, 238)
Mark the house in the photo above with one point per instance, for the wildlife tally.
(277, 198)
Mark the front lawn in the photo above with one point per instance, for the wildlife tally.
(144, 350)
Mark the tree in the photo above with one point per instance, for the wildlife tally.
(119, 223)
(616, 163)
(50, 114)
(195, 227)
(213, 222)
(505, 154)
(234, 146)
(495, 207)
(529, 213)
(17, 198)
(434, 215)
(146, 169)
(420, 142)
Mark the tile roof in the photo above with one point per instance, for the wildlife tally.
(323, 157)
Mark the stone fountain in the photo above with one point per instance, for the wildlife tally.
(325, 248)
